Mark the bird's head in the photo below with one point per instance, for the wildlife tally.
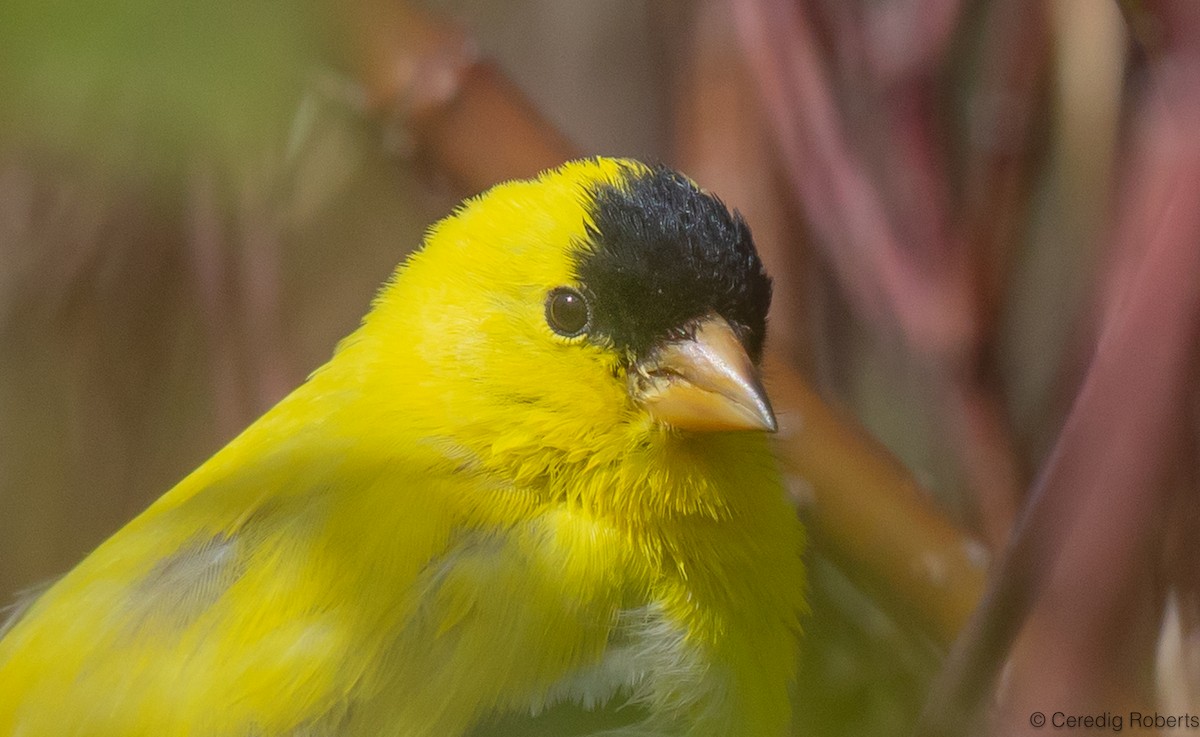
(590, 310)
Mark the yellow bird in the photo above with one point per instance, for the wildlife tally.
(531, 495)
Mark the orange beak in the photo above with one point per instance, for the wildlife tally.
(705, 383)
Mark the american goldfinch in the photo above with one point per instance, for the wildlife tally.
(531, 494)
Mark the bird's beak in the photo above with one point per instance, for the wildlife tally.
(705, 383)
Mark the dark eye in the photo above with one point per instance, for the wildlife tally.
(567, 312)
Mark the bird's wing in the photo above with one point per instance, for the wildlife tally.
(248, 601)
(288, 597)
(618, 719)
(501, 625)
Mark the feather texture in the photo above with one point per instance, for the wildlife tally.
(461, 525)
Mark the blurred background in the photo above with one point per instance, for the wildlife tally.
(983, 219)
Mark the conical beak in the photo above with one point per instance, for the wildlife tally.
(705, 383)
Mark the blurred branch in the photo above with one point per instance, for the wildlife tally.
(1002, 135)
(1178, 649)
(909, 38)
(870, 515)
(423, 76)
(1099, 499)
(490, 132)
(211, 269)
(868, 168)
(260, 285)
(921, 296)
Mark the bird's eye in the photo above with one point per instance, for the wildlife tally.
(567, 312)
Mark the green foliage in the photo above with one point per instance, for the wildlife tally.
(150, 81)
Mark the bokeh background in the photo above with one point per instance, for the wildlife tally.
(983, 218)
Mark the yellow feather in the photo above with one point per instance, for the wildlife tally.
(461, 516)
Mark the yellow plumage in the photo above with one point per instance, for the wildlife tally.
(465, 523)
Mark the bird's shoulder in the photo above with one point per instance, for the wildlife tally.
(268, 575)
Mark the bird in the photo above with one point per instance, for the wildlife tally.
(532, 493)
